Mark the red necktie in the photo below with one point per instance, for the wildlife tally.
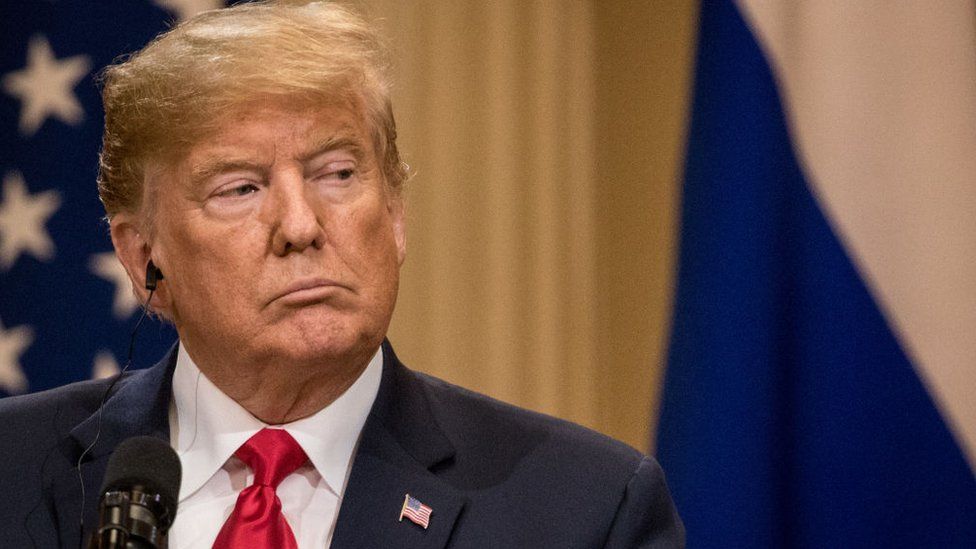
(257, 522)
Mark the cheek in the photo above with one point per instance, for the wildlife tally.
(203, 268)
(368, 235)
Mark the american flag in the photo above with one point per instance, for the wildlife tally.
(417, 512)
(66, 308)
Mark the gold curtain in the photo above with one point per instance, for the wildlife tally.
(546, 139)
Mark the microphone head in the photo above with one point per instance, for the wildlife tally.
(147, 462)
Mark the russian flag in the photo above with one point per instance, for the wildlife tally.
(821, 384)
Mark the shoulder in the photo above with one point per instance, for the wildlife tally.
(35, 422)
(477, 422)
(529, 468)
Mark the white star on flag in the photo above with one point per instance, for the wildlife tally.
(45, 86)
(107, 266)
(13, 343)
(22, 219)
(185, 9)
(104, 365)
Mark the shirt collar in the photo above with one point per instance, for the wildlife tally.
(207, 426)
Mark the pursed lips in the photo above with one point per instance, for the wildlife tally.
(308, 290)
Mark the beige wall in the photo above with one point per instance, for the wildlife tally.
(546, 138)
(645, 57)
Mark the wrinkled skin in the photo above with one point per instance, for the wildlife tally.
(281, 244)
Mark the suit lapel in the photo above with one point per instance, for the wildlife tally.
(139, 405)
(400, 445)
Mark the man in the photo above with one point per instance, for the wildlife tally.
(250, 174)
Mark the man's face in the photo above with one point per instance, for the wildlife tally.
(279, 239)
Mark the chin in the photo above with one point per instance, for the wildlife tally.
(326, 342)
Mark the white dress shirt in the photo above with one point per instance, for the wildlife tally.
(207, 427)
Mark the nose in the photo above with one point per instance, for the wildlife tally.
(295, 222)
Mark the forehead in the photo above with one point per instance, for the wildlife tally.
(282, 127)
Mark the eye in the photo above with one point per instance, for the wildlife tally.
(238, 190)
(337, 174)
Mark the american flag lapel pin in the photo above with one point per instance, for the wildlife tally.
(415, 511)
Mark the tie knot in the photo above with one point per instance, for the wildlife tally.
(273, 455)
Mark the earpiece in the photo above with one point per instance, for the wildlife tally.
(153, 275)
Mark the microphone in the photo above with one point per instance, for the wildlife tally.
(139, 496)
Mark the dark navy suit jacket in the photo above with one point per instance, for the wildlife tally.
(494, 475)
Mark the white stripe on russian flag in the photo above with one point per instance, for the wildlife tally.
(881, 101)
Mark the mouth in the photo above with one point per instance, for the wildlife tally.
(307, 291)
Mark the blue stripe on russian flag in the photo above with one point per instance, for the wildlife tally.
(791, 414)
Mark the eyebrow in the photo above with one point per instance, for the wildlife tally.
(216, 166)
(333, 143)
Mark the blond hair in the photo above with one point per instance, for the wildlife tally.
(163, 99)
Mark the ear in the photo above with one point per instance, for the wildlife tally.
(397, 216)
(134, 252)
